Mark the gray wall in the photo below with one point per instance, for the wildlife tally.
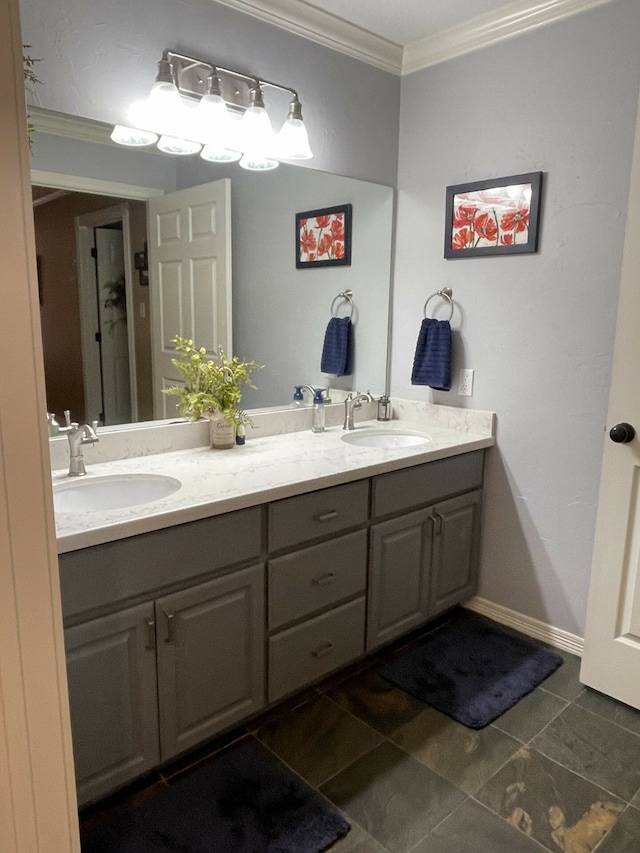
(537, 329)
(98, 56)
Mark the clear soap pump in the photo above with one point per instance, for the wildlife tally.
(317, 424)
(298, 397)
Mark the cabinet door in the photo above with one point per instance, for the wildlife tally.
(111, 669)
(455, 552)
(210, 658)
(398, 582)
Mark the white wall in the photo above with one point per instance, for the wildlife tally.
(98, 56)
(537, 329)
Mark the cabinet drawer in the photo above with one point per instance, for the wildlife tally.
(105, 574)
(322, 513)
(307, 652)
(399, 491)
(316, 578)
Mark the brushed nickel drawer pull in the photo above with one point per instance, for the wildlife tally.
(170, 617)
(323, 580)
(151, 633)
(327, 516)
(323, 651)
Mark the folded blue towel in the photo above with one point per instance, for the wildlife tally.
(432, 359)
(337, 350)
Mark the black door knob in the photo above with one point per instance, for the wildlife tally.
(622, 433)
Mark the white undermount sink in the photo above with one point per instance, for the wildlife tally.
(385, 438)
(112, 492)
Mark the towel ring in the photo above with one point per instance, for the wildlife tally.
(347, 295)
(447, 294)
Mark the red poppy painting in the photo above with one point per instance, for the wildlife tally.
(495, 217)
(323, 237)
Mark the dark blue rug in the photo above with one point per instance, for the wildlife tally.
(244, 802)
(471, 670)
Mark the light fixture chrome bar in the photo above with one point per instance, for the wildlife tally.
(190, 76)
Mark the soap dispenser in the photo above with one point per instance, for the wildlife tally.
(298, 397)
(318, 411)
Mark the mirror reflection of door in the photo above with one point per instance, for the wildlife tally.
(66, 224)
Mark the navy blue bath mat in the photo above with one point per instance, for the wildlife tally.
(244, 802)
(471, 669)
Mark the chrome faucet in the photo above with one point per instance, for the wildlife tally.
(80, 434)
(350, 405)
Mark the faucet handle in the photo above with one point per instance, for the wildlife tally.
(95, 425)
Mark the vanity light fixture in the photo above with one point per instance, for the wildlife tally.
(194, 106)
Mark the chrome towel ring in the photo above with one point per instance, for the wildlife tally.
(447, 294)
(347, 296)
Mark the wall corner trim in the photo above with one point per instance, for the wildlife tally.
(555, 637)
(508, 21)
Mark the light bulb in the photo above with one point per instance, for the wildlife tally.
(293, 140)
(130, 136)
(178, 146)
(211, 119)
(219, 155)
(256, 163)
(256, 133)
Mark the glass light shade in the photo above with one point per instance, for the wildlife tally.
(256, 163)
(180, 147)
(293, 141)
(219, 155)
(211, 121)
(255, 131)
(130, 136)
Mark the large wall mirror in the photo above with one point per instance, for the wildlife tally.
(91, 217)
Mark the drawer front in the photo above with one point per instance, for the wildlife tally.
(322, 513)
(104, 574)
(316, 578)
(303, 654)
(399, 491)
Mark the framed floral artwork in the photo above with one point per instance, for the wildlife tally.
(494, 217)
(323, 237)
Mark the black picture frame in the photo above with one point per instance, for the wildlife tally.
(323, 237)
(499, 216)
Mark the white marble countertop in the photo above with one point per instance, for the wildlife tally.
(264, 469)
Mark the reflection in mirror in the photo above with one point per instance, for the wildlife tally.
(90, 210)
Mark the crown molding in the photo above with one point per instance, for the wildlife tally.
(513, 19)
(506, 22)
(71, 127)
(298, 17)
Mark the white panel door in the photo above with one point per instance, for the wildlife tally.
(611, 660)
(189, 278)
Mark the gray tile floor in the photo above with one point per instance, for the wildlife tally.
(558, 772)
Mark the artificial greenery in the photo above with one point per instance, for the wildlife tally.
(210, 384)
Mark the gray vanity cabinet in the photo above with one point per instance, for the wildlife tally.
(210, 658)
(426, 560)
(111, 671)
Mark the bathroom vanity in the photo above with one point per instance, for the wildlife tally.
(188, 618)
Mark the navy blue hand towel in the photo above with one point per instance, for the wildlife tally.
(337, 350)
(432, 360)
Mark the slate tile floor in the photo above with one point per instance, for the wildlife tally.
(558, 772)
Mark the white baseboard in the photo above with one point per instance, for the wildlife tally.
(555, 637)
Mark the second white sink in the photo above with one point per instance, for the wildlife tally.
(112, 492)
(385, 438)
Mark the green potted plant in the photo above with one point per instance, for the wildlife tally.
(212, 388)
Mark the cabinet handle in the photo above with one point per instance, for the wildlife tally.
(323, 651)
(170, 617)
(327, 516)
(436, 523)
(151, 633)
(323, 580)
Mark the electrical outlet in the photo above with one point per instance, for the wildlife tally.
(465, 382)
